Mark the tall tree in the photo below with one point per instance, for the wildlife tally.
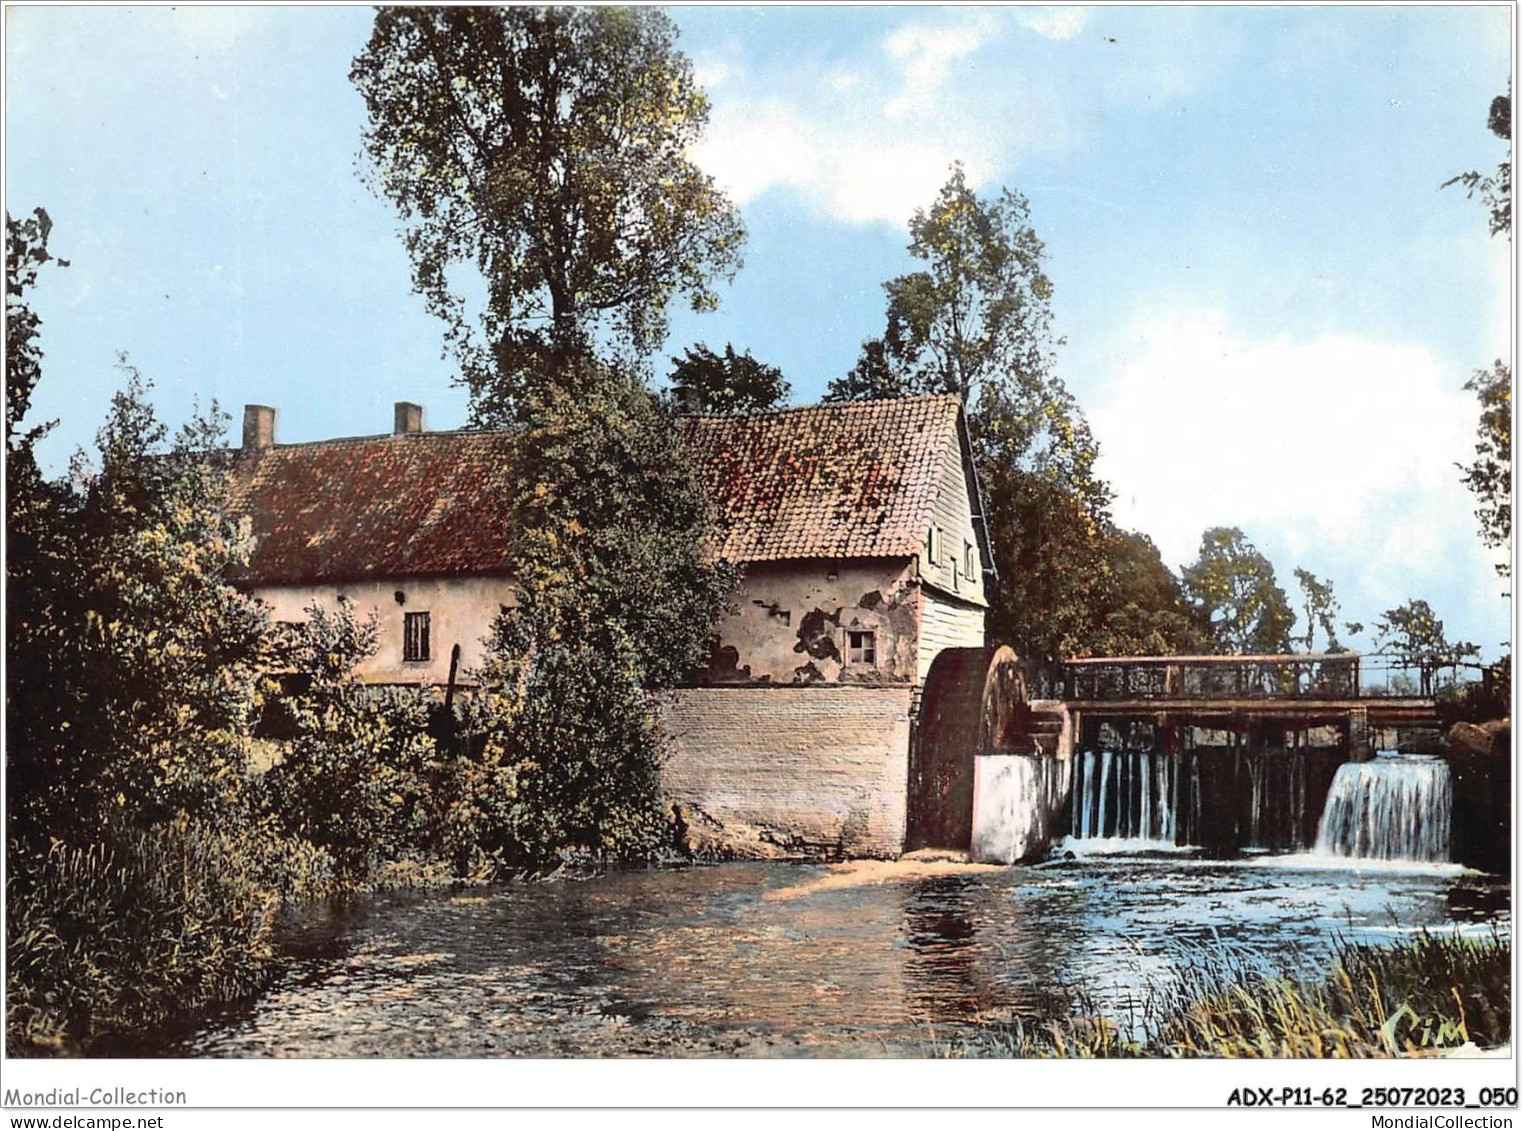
(548, 148)
(1321, 608)
(135, 697)
(26, 251)
(614, 598)
(1489, 477)
(979, 311)
(975, 321)
(1232, 585)
(41, 564)
(725, 384)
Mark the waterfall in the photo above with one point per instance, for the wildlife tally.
(1123, 794)
(1397, 807)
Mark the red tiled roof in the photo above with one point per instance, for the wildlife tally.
(832, 481)
(382, 506)
(853, 480)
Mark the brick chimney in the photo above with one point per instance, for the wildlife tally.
(689, 402)
(258, 427)
(409, 419)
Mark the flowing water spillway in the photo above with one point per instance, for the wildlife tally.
(1397, 807)
(1130, 795)
(1219, 798)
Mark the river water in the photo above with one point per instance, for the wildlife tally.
(752, 960)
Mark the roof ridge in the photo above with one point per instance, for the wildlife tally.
(441, 433)
(782, 410)
(830, 406)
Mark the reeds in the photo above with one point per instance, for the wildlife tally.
(1435, 992)
(119, 937)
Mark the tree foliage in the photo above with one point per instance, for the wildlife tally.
(1146, 612)
(616, 596)
(547, 148)
(26, 252)
(978, 312)
(359, 775)
(1321, 608)
(1494, 189)
(1233, 588)
(1414, 635)
(137, 685)
(975, 321)
(727, 384)
(1489, 477)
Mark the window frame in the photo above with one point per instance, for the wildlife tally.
(417, 646)
(867, 657)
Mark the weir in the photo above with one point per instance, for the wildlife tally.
(1222, 754)
(1217, 798)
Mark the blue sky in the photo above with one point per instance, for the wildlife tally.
(1269, 307)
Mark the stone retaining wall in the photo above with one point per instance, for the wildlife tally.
(777, 771)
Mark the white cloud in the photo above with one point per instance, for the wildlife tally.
(715, 68)
(865, 134)
(1332, 438)
(868, 139)
(854, 174)
(925, 55)
(1335, 452)
(1054, 23)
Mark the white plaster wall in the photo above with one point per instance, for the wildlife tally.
(1017, 805)
(460, 610)
(790, 621)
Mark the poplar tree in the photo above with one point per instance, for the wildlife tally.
(538, 159)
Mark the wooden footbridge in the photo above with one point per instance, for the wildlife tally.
(1238, 693)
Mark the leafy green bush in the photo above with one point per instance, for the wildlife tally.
(357, 777)
(616, 596)
(569, 761)
(133, 680)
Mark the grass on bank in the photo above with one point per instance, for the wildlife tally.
(1433, 993)
(122, 936)
(164, 919)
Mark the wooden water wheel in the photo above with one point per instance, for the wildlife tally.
(1006, 712)
(974, 700)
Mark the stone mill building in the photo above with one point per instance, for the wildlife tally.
(863, 555)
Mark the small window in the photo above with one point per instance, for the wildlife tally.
(415, 637)
(933, 546)
(967, 563)
(863, 647)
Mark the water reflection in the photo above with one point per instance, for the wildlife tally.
(701, 962)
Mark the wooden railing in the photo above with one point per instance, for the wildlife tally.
(1303, 675)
